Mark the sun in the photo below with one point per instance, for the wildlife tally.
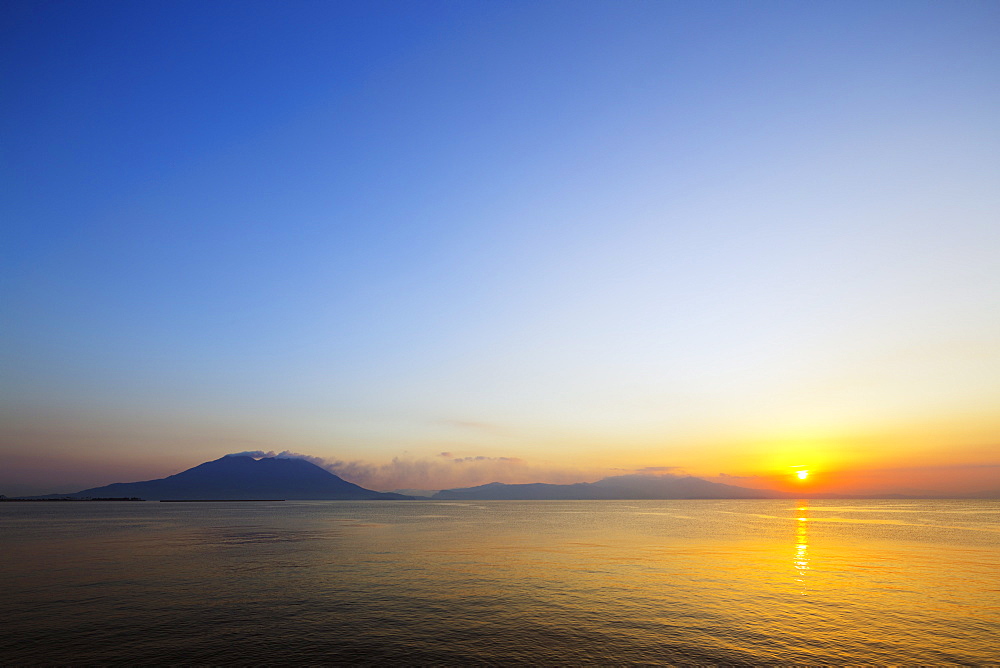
(802, 475)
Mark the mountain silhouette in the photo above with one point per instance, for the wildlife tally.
(616, 487)
(235, 477)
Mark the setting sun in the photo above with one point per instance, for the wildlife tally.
(802, 475)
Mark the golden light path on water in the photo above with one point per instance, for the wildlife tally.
(801, 560)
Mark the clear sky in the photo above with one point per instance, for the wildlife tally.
(551, 240)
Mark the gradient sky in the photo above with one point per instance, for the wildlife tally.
(553, 240)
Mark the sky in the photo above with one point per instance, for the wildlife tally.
(437, 243)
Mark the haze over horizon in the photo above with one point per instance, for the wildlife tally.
(443, 244)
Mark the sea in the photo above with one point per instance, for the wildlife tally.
(411, 583)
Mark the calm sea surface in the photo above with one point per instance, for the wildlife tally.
(505, 582)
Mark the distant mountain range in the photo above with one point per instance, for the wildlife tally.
(654, 487)
(236, 477)
(616, 487)
(242, 477)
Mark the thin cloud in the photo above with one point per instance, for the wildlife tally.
(480, 458)
(443, 472)
(448, 471)
(478, 426)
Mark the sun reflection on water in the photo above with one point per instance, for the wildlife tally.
(800, 560)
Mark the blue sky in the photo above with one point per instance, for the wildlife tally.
(712, 235)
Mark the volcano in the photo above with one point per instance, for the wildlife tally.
(238, 477)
